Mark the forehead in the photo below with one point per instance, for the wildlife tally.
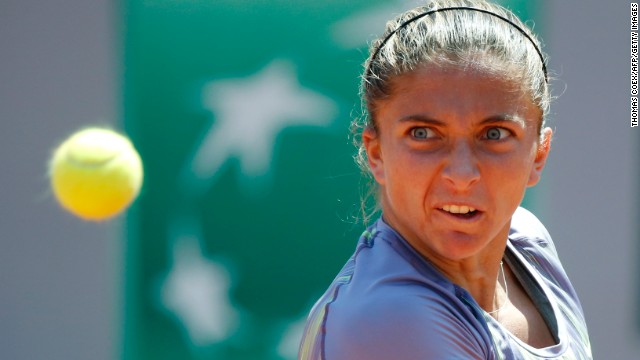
(456, 91)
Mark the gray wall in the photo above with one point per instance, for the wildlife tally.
(60, 278)
(591, 182)
(58, 72)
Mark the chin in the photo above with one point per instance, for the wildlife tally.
(458, 245)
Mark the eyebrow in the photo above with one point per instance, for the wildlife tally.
(422, 119)
(499, 118)
(505, 118)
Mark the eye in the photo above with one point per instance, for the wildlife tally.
(421, 133)
(497, 133)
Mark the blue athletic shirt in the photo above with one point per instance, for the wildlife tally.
(388, 302)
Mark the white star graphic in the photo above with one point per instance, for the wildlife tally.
(250, 113)
(290, 341)
(196, 292)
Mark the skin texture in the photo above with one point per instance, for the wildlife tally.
(452, 136)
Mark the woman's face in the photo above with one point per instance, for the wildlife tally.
(453, 154)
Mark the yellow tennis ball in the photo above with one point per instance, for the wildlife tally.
(96, 173)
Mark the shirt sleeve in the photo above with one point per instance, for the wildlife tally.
(401, 329)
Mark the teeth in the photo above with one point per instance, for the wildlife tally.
(455, 209)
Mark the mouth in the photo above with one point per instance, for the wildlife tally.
(460, 211)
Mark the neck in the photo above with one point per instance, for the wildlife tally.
(477, 272)
(480, 279)
(480, 275)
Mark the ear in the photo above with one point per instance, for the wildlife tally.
(542, 153)
(371, 141)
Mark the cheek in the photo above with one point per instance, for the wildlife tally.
(509, 174)
(409, 178)
(408, 167)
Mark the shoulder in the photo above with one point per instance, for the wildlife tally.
(528, 229)
(399, 331)
(530, 238)
(525, 224)
(388, 303)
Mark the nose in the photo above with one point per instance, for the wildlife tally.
(461, 167)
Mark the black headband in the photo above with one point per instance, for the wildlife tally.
(419, 16)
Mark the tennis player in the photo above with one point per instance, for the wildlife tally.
(457, 93)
